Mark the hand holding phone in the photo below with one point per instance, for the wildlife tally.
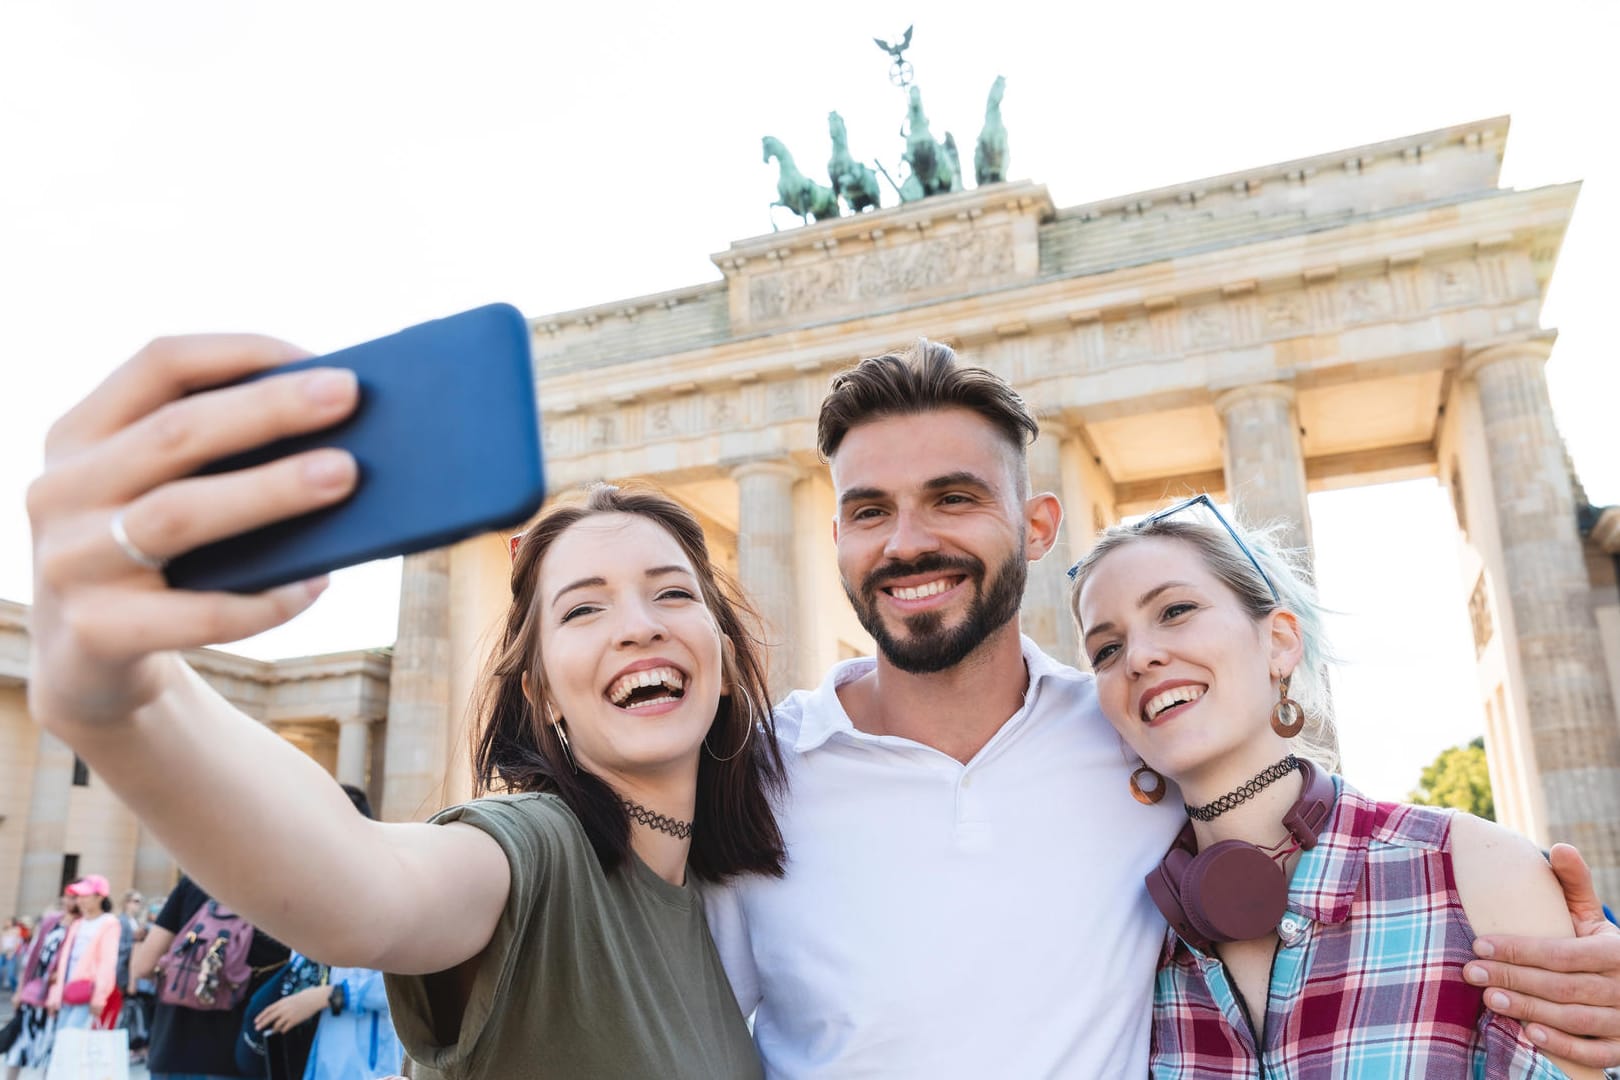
(240, 465)
(446, 439)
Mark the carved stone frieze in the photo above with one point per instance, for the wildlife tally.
(1161, 329)
(881, 276)
(1455, 283)
(1208, 326)
(786, 400)
(724, 411)
(1368, 299)
(1284, 314)
(1127, 340)
(660, 422)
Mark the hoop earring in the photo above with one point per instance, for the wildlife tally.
(1287, 718)
(748, 733)
(556, 723)
(1151, 795)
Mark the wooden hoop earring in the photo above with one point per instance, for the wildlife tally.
(1287, 718)
(1147, 796)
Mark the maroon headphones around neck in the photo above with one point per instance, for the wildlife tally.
(1235, 891)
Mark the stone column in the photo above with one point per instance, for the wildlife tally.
(1045, 614)
(766, 536)
(1566, 685)
(419, 690)
(45, 841)
(354, 750)
(1265, 461)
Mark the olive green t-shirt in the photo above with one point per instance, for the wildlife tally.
(588, 974)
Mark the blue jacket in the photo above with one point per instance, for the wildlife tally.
(360, 1043)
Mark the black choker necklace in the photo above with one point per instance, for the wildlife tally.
(681, 830)
(1270, 775)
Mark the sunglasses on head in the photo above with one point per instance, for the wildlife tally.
(1185, 504)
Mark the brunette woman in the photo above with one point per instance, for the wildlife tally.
(552, 929)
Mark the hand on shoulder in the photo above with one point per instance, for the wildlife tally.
(1507, 887)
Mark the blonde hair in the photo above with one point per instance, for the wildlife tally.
(1295, 594)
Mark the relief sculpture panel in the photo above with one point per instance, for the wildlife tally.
(1455, 283)
(1368, 300)
(841, 284)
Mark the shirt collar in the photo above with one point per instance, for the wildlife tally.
(824, 715)
(1327, 876)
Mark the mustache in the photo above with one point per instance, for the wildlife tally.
(926, 564)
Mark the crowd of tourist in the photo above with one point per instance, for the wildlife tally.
(196, 990)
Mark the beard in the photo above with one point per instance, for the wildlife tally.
(929, 645)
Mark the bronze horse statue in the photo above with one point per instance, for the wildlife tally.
(932, 168)
(853, 182)
(796, 191)
(990, 156)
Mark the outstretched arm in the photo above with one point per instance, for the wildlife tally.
(257, 823)
(1555, 970)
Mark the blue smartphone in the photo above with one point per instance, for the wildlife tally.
(447, 439)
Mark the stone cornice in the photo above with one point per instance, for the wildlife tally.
(1488, 228)
(1489, 135)
(589, 316)
(368, 663)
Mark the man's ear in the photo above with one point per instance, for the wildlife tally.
(1287, 643)
(1043, 523)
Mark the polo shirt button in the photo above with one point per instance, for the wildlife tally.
(967, 781)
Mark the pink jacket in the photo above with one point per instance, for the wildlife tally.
(98, 963)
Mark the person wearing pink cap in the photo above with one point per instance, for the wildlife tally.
(83, 987)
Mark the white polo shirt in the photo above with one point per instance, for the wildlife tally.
(948, 920)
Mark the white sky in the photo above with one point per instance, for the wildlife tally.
(328, 172)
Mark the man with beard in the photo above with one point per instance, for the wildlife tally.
(964, 894)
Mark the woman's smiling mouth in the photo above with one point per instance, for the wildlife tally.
(648, 687)
(1167, 700)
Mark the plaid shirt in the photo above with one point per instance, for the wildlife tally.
(1367, 979)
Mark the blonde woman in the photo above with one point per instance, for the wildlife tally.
(1315, 932)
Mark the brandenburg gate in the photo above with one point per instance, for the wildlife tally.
(1361, 316)
(1353, 318)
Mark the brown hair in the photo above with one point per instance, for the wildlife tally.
(923, 378)
(1295, 594)
(734, 827)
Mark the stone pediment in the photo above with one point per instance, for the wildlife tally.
(933, 249)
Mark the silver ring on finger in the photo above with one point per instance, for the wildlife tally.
(129, 547)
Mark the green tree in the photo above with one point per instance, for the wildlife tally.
(1458, 778)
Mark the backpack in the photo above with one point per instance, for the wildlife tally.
(206, 968)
